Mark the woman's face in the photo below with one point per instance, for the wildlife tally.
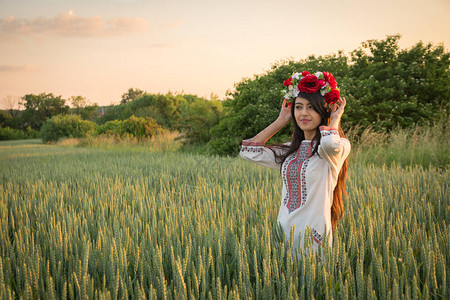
(306, 117)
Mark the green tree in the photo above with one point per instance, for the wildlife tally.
(83, 107)
(39, 108)
(131, 95)
(193, 116)
(133, 126)
(162, 108)
(13, 112)
(388, 87)
(198, 117)
(4, 118)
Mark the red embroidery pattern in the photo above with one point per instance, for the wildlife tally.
(254, 149)
(293, 172)
(317, 236)
(303, 177)
(327, 133)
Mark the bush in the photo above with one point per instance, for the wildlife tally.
(7, 133)
(65, 126)
(173, 112)
(131, 127)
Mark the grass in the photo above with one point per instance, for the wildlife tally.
(428, 147)
(123, 221)
(162, 142)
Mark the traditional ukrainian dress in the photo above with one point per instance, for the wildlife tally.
(308, 182)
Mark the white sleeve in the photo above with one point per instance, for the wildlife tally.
(333, 148)
(257, 153)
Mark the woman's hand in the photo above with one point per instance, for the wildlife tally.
(285, 113)
(336, 112)
(277, 125)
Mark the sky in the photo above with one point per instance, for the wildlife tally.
(99, 49)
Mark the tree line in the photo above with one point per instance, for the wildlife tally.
(386, 87)
(193, 116)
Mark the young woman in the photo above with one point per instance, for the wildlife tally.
(313, 164)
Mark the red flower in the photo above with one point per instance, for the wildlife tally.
(330, 79)
(309, 84)
(304, 73)
(322, 83)
(333, 96)
(288, 82)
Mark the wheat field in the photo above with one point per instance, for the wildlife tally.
(84, 223)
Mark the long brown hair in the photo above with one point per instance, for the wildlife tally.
(319, 104)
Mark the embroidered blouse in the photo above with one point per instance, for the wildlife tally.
(308, 182)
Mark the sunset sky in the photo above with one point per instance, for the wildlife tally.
(99, 49)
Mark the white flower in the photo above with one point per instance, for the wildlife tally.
(291, 87)
(296, 76)
(319, 75)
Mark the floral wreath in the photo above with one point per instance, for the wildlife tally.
(312, 83)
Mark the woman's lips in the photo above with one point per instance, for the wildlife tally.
(304, 121)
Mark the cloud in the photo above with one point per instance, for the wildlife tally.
(11, 68)
(69, 24)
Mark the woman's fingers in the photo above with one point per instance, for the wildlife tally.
(340, 109)
(341, 103)
(285, 112)
(284, 103)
